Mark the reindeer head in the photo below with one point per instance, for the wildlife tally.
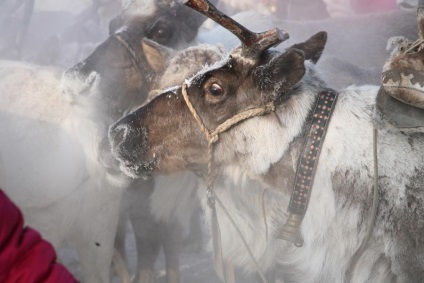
(164, 137)
(124, 66)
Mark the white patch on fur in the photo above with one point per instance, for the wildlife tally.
(240, 57)
(212, 67)
(45, 104)
(121, 29)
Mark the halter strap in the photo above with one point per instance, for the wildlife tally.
(213, 136)
(139, 61)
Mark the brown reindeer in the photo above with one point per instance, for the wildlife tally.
(249, 116)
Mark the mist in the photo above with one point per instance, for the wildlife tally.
(54, 116)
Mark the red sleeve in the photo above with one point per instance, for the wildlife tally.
(24, 256)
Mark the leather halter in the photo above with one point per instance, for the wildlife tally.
(140, 62)
(307, 165)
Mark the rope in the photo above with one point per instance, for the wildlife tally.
(264, 213)
(143, 67)
(132, 52)
(360, 251)
(214, 135)
(212, 138)
(242, 239)
(414, 45)
(194, 112)
(242, 116)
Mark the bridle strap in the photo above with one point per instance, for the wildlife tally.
(213, 137)
(307, 164)
(139, 62)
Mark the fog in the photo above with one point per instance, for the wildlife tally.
(46, 135)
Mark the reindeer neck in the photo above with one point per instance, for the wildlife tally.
(275, 141)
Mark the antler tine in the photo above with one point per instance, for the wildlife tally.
(253, 43)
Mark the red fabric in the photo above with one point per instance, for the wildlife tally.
(24, 256)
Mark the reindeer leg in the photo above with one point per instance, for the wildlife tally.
(128, 201)
(146, 232)
(171, 241)
(95, 229)
(147, 252)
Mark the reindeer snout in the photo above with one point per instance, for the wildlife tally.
(127, 142)
(117, 134)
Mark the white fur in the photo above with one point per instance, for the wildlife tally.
(48, 156)
(330, 232)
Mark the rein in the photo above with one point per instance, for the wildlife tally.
(213, 137)
(354, 260)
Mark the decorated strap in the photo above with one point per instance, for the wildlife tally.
(307, 164)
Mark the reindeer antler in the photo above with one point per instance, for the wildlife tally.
(253, 43)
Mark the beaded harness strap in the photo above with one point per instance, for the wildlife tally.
(307, 164)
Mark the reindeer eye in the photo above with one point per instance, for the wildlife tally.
(215, 90)
(160, 33)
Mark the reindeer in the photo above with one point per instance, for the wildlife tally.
(162, 219)
(247, 119)
(52, 159)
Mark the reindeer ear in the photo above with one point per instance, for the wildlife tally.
(420, 21)
(287, 69)
(281, 74)
(156, 55)
(313, 47)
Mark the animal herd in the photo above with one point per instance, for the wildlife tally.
(162, 125)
